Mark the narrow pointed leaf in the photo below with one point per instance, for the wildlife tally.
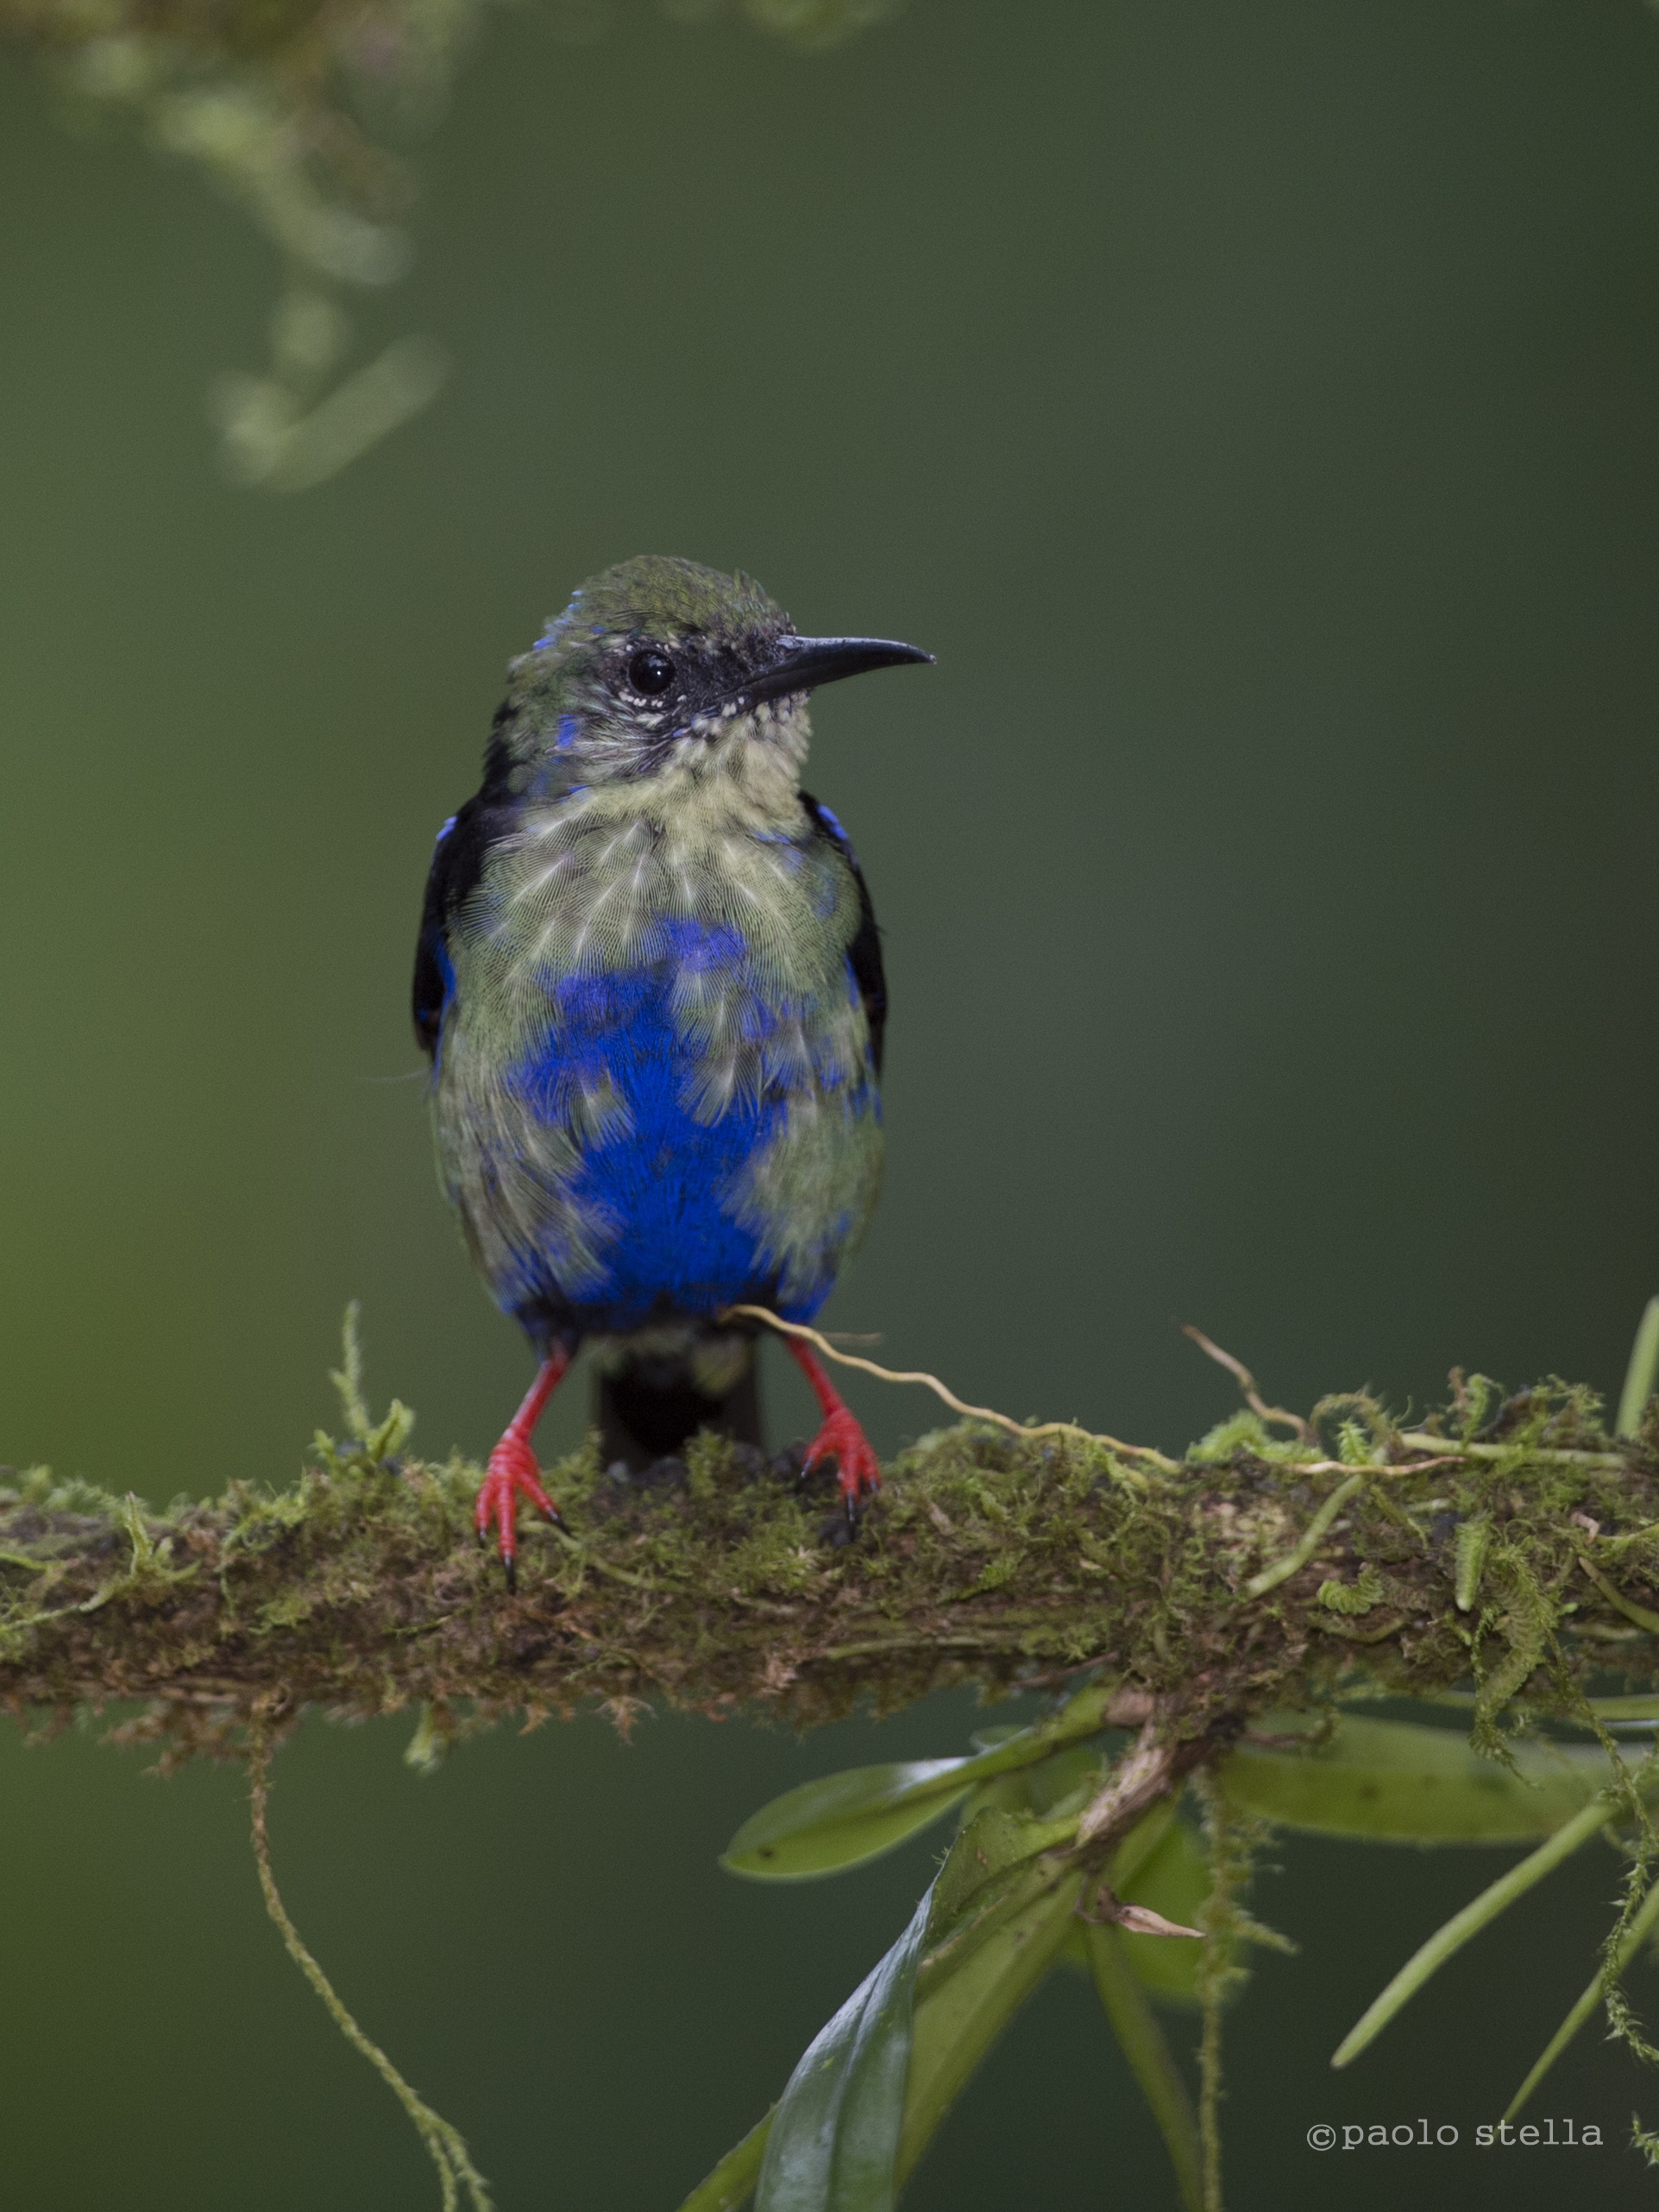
(1145, 2046)
(1640, 1375)
(1399, 1781)
(834, 2136)
(1474, 1916)
(841, 1820)
(731, 2184)
(1639, 1930)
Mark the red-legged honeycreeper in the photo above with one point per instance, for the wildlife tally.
(650, 984)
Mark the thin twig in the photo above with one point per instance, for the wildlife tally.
(443, 2143)
(1246, 1383)
(821, 1343)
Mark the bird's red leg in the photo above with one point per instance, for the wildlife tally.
(839, 1436)
(512, 1468)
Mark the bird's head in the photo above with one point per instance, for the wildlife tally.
(663, 669)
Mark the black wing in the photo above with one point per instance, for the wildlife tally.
(866, 950)
(457, 863)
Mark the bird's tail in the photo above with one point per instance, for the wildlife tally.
(650, 1402)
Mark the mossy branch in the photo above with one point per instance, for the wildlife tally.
(1255, 1572)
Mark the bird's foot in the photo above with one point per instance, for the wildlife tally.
(841, 1439)
(512, 1472)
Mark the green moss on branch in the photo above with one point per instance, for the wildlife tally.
(1523, 1552)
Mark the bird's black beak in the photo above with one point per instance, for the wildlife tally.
(802, 663)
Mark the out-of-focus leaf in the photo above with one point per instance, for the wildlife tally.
(1138, 1848)
(1396, 1782)
(825, 1827)
(1623, 1708)
(834, 2136)
(1054, 1789)
(1643, 1706)
(1175, 1882)
(1143, 2045)
(843, 1820)
(1064, 1781)
(732, 2181)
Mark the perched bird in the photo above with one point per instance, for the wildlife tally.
(650, 986)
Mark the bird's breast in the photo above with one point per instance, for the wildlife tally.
(654, 1080)
(741, 930)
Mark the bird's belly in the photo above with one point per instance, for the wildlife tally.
(680, 1189)
(662, 1187)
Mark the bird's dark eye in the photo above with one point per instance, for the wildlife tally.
(650, 672)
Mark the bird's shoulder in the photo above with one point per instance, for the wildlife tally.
(864, 952)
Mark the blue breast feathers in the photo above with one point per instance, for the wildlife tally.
(687, 1207)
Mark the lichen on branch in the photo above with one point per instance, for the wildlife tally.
(1518, 1546)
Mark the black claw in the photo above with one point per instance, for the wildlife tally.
(558, 1519)
(512, 1566)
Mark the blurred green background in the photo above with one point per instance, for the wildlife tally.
(1257, 410)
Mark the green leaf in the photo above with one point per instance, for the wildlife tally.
(991, 1877)
(840, 1821)
(834, 2137)
(1623, 1708)
(1643, 1707)
(1640, 1928)
(991, 1843)
(1138, 1848)
(1143, 2042)
(1429, 1957)
(733, 2180)
(973, 1997)
(1639, 1376)
(843, 1820)
(988, 1876)
(1004, 1913)
(1400, 1782)
(1063, 1783)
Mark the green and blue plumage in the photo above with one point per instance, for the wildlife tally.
(650, 980)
